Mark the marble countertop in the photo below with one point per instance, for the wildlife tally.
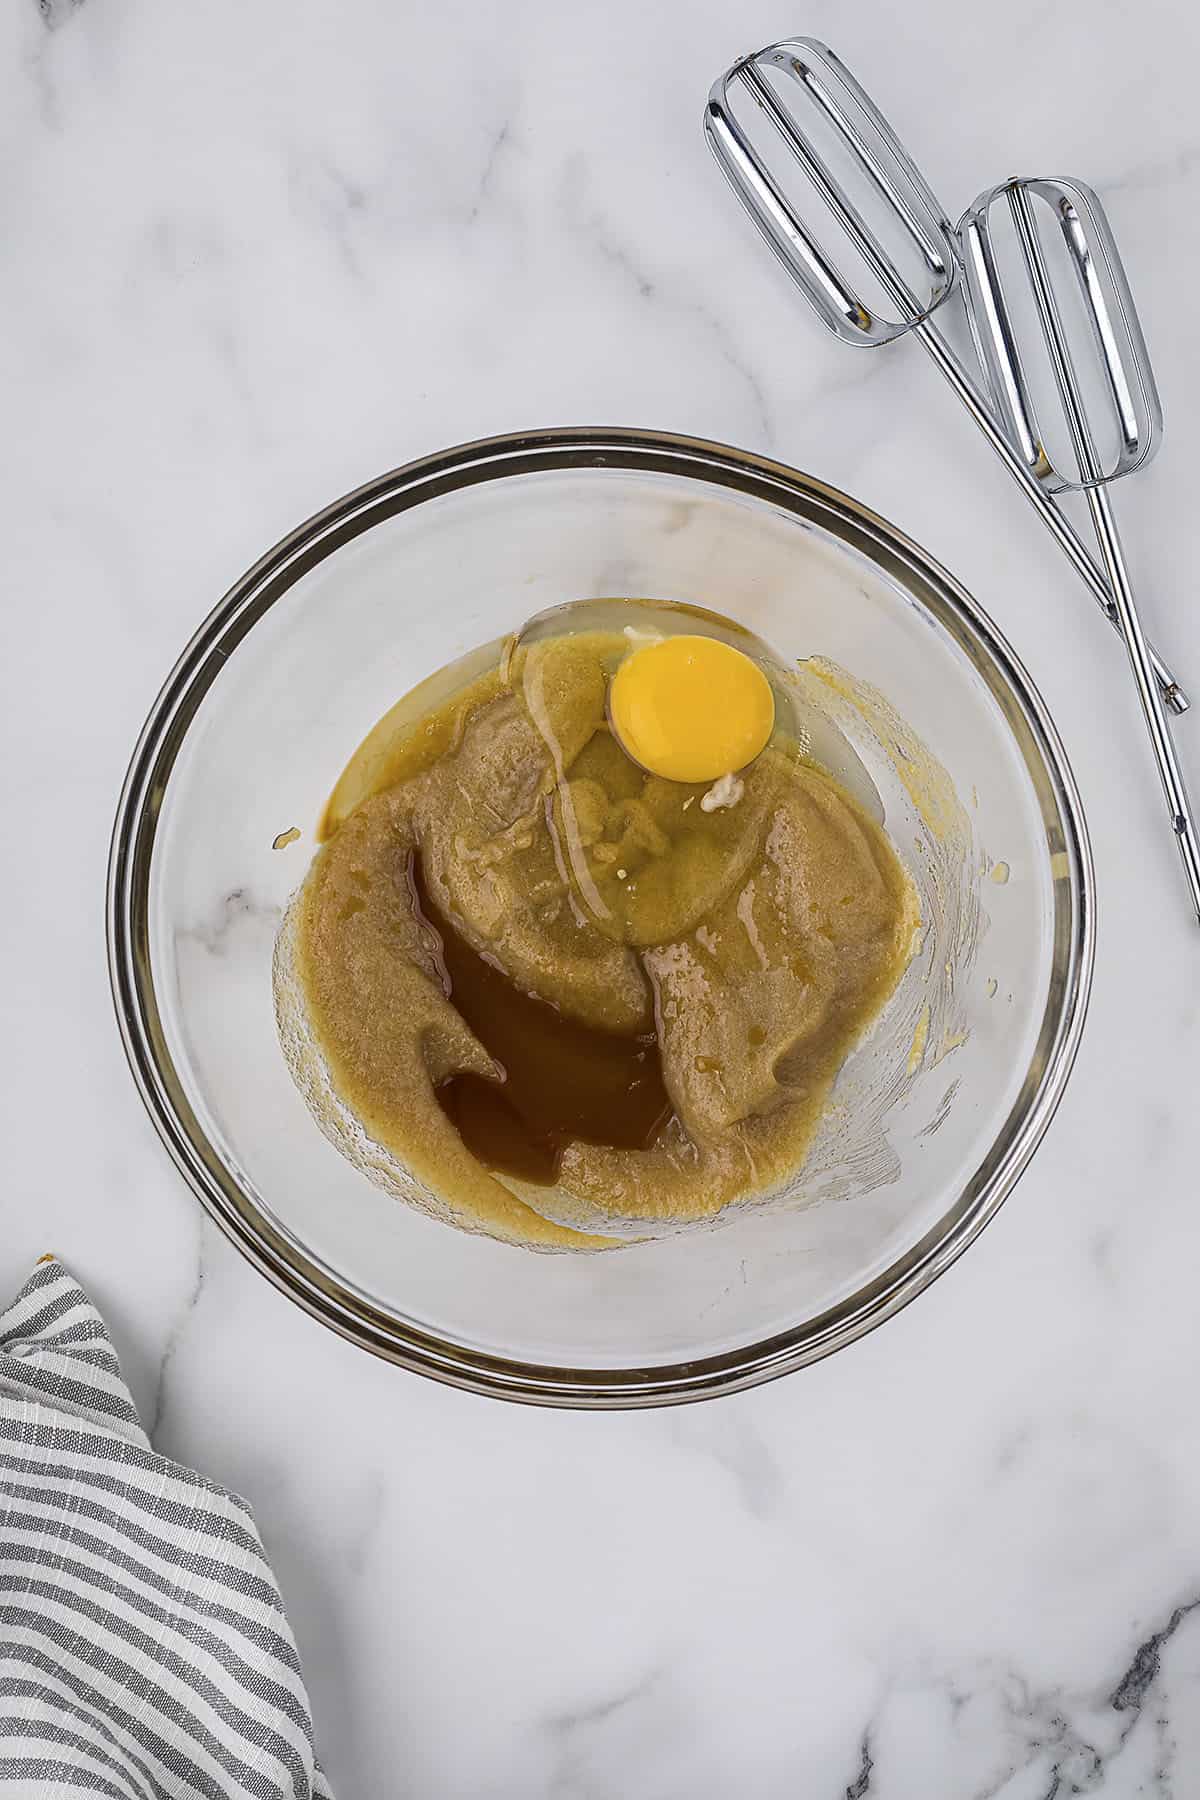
(253, 255)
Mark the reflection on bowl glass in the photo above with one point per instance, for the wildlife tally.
(913, 703)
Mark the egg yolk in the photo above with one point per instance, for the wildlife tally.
(691, 708)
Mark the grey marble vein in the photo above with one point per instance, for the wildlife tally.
(56, 12)
(585, 219)
(1068, 1741)
(732, 1440)
(576, 1737)
(235, 912)
(503, 144)
(860, 1787)
(1157, 174)
(1130, 1693)
(339, 202)
(175, 1336)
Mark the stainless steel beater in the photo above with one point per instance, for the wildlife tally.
(875, 153)
(1121, 369)
(902, 202)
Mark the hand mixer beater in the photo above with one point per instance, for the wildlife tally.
(797, 96)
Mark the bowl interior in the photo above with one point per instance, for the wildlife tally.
(958, 1078)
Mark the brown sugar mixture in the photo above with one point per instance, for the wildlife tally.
(572, 997)
(562, 1079)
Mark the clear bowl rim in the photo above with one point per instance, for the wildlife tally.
(128, 888)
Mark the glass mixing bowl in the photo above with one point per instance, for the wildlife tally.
(934, 1115)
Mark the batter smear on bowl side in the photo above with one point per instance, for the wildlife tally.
(568, 994)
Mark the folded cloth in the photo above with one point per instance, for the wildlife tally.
(144, 1651)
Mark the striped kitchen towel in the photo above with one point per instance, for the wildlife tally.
(144, 1651)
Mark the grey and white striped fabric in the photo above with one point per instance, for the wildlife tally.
(144, 1651)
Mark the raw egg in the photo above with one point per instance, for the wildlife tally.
(691, 708)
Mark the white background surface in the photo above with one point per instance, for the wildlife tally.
(252, 256)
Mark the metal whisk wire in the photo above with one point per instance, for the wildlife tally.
(893, 177)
